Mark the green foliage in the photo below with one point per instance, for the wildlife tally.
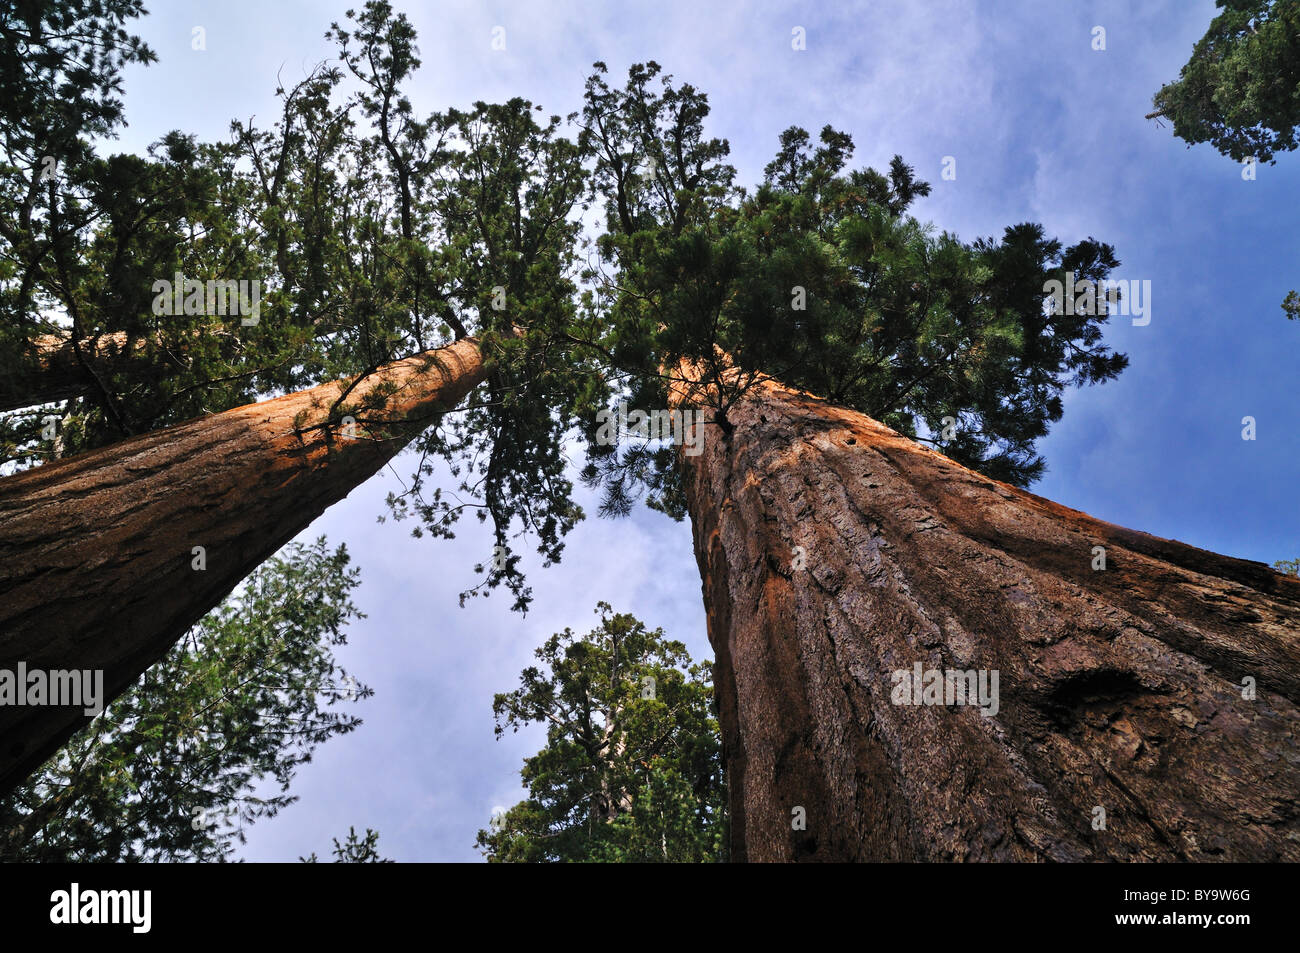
(355, 850)
(378, 232)
(60, 77)
(182, 762)
(1240, 91)
(653, 165)
(501, 216)
(631, 770)
(83, 247)
(1289, 566)
(375, 233)
(60, 83)
(821, 280)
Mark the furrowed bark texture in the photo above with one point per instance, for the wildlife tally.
(96, 552)
(1118, 688)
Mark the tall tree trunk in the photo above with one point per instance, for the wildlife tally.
(1120, 689)
(53, 372)
(97, 553)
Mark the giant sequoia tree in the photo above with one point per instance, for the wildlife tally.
(156, 513)
(1148, 689)
(1139, 676)
(107, 557)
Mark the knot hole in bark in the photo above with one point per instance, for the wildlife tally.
(725, 425)
(1099, 689)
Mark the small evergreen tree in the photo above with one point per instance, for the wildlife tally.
(1240, 91)
(177, 767)
(631, 769)
(354, 850)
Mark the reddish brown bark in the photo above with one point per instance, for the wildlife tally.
(96, 551)
(1119, 688)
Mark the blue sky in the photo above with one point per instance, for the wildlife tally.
(1042, 127)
